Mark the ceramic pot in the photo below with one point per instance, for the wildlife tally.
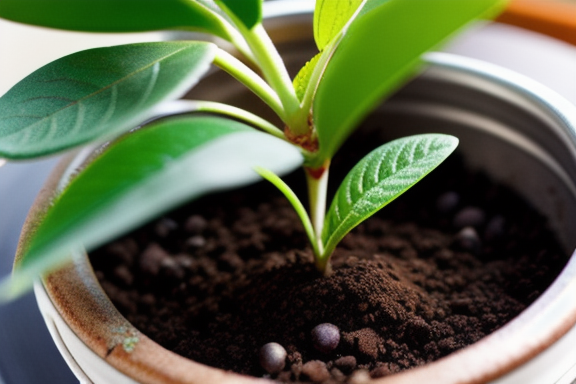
(517, 131)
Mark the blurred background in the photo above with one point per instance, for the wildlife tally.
(538, 40)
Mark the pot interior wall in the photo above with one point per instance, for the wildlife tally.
(500, 132)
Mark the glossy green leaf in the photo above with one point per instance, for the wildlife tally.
(142, 175)
(95, 93)
(380, 177)
(114, 15)
(330, 17)
(303, 77)
(249, 12)
(380, 50)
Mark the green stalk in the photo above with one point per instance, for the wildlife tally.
(239, 43)
(240, 114)
(296, 203)
(250, 79)
(308, 98)
(235, 37)
(273, 68)
(317, 181)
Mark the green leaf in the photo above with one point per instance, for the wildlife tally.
(330, 17)
(96, 93)
(114, 15)
(249, 12)
(380, 50)
(380, 177)
(304, 75)
(140, 176)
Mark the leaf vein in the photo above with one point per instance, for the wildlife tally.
(378, 169)
(70, 79)
(30, 99)
(151, 83)
(53, 128)
(360, 182)
(104, 88)
(111, 105)
(79, 118)
(396, 157)
(348, 194)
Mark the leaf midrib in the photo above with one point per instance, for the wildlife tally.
(352, 211)
(43, 119)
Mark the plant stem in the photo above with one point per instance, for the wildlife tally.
(275, 73)
(323, 265)
(240, 44)
(183, 106)
(296, 204)
(250, 79)
(317, 181)
(308, 98)
(241, 114)
(272, 66)
(235, 37)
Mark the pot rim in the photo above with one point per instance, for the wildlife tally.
(559, 109)
(459, 367)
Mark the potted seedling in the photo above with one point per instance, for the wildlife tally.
(97, 96)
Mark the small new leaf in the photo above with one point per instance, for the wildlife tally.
(303, 77)
(380, 177)
(330, 17)
(95, 94)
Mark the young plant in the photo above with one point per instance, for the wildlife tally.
(367, 49)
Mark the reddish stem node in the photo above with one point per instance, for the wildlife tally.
(316, 173)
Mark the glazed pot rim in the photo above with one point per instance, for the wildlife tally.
(461, 366)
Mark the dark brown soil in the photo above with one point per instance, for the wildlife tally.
(444, 265)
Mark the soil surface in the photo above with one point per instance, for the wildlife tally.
(438, 269)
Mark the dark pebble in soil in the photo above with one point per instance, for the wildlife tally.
(152, 258)
(196, 242)
(467, 239)
(123, 251)
(273, 357)
(325, 337)
(195, 224)
(165, 227)
(124, 275)
(447, 202)
(172, 270)
(495, 229)
(469, 217)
